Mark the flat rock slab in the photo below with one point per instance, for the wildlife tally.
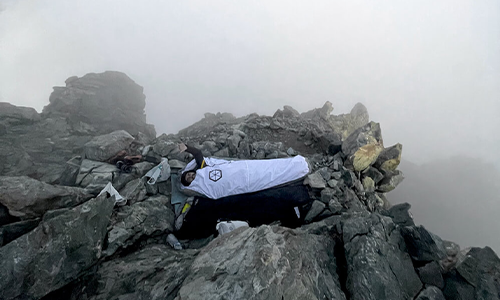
(29, 198)
(105, 146)
(264, 263)
(59, 250)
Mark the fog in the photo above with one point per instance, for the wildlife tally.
(428, 71)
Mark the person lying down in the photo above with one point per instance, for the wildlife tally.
(216, 178)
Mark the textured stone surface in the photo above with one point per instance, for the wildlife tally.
(29, 198)
(263, 263)
(423, 246)
(12, 231)
(56, 252)
(95, 99)
(391, 180)
(151, 217)
(103, 147)
(390, 158)
(377, 268)
(431, 293)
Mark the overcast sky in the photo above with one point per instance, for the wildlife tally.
(428, 71)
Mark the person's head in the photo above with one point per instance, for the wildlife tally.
(187, 177)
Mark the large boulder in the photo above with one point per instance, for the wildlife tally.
(155, 272)
(151, 217)
(363, 146)
(58, 251)
(346, 124)
(264, 263)
(105, 102)
(377, 268)
(29, 198)
(103, 147)
(15, 115)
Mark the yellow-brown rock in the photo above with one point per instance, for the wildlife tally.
(366, 156)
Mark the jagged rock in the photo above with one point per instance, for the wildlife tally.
(315, 181)
(481, 269)
(15, 115)
(389, 158)
(400, 214)
(287, 112)
(368, 184)
(316, 209)
(423, 246)
(334, 206)
(5, 218)
(206, 125)
(155, 272)
(56, 252)
(164, 148)
(347, 123)
(376, 267)
(151, 217)
(264, 263)
(457, 288)
(94, 176)
(224, 152)
(95, 99)
(319, 113)
(391, 180)
(349, 178)
(29, 198)
(327, 194)
(12, 231)
(431, 274)
(134, 191)
(332, 183)
(103, 147)
(431, 293)
(374, 174)
(363, 146)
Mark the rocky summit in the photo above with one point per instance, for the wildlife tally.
(61, 238)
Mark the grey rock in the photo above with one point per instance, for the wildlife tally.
(400, 214)
(315, 181)
(224, 152)
(108, 101)
(332, 183)
(334, 206)
(56, 252)
(29, 198)
(368, 184)
(15, 115)
(431, 293)
(391, 180)
(423, 246)
(264, 263)
(337, 175)
(134, 191)
(327, 194)
(325, 173)
(12, 231)
(431, 274)
(103, 147)
(176, 164)
(211, 146)
(94, 176)
(481, 269)
(316, 209)
(457, 288)
(155, 272)
(291, 152)
(164, 148)
(376, 266)
(71, 170)
(389, 158)
(143, 219)
(367, 134)
(373, 174)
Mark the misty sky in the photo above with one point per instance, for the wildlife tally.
(428, 71)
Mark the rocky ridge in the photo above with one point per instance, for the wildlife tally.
(60, 241)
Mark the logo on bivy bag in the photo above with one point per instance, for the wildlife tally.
(215, 175)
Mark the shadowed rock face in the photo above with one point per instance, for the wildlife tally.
(38, 145)
(354, 245)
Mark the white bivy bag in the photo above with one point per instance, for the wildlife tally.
(222, 178)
